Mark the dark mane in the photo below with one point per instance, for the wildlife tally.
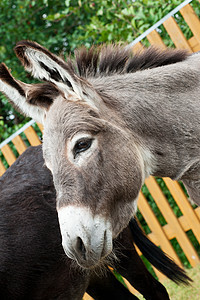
(111, 59)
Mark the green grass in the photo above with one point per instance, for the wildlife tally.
(181, 292)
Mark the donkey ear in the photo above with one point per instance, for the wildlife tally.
(24, 96)
(46, 66)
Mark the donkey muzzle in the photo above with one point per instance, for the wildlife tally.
(86, 238)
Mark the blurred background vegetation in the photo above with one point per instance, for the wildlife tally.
(61, 26)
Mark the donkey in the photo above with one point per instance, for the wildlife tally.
(33, 263)
(110, 119)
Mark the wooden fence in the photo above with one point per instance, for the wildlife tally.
(175, 227)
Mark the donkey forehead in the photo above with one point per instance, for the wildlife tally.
(67, 118)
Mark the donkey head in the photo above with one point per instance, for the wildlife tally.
(86, 146)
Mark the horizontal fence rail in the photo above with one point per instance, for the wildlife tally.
(175, 227)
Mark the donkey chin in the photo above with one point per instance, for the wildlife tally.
(86, 238)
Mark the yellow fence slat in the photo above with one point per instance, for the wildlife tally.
(155, 227)
(192, 20)
(184, 224)
(40, 127)
(169, 231)
(130, 287)
(155, 39)
(2, 168)
(184, 206)
(160, 275)
(171, 219)
(8, 154)
(197, 211)
(137, 47)
(19, 144)
(87, 297)
(32, 136)
(195, 46)
(176, 34)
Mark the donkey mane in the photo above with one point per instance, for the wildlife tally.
(105, 60)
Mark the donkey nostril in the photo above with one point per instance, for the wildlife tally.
(81, 247)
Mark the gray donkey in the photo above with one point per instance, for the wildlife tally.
(110, 119)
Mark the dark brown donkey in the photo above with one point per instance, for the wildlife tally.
(110, 120)
(33, 264)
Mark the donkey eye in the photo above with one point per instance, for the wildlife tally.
(81, 146)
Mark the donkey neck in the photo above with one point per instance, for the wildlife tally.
(160, 107)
